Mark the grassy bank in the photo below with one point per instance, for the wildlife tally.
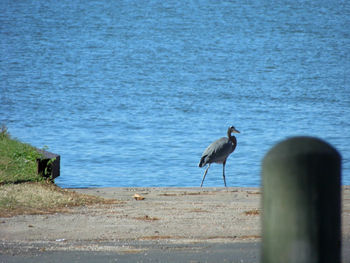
(17, 160)
(23, 191)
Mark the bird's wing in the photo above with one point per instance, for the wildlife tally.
(218, 151)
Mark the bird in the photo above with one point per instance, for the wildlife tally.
(218, 151)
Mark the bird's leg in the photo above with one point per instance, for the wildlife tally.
(205, 173)
(223, 171)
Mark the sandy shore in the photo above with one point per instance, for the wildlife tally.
(172, 216)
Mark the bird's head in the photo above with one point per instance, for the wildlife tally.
(232, 129)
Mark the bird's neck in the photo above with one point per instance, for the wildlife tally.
(232, 138)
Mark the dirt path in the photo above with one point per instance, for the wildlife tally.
(186, 214)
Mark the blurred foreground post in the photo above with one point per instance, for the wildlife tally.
(301, 202)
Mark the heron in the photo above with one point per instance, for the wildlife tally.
(218, 151)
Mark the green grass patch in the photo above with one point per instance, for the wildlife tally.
(18, 161)
(24, 191)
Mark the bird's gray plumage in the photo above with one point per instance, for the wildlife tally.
(218, 151)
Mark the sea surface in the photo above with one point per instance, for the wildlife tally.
(130, 93)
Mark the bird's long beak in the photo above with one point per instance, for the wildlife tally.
(235, 131)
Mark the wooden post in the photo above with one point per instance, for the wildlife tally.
(301, 202)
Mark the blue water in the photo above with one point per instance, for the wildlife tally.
(130, 93)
